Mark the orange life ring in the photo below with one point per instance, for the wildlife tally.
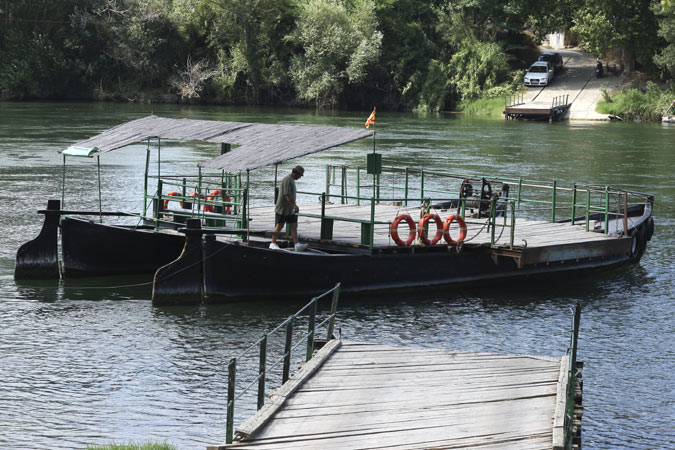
(394, 230)
(172, 194)
(212, 196)
(422, 232)
(462, 229)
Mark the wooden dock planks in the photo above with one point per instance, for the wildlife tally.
(374, 396)
(528, 233)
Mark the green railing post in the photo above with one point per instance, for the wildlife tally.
(333, 310)
(422, 186)
(406, 188)
(343, 200)
(372, 223)
(555, 184)
(63, 187)
(322, 230)
(159, 207)
(231, 378)
(244, 202)
(100, 201)
(328, 180)
(588, 206)
(493, 219)
(198, 197)
(358, 186)
(145, 183)
(513, 223)
(625, 214)
(574, 202)
(261, 372)
(606, 209)
(377, 178)
(310, 335)
(288, 346)
(520, 189)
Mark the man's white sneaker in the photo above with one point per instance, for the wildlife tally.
(274, 246)
(300, 247)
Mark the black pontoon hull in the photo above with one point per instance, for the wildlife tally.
(91, 248)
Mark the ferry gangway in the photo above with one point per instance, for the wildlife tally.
(265, 368)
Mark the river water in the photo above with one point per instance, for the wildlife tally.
(84, 363)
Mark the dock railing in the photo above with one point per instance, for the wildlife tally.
(265, 368)
(563, 421)
(560, 101)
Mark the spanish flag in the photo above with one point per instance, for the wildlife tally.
(371, 119)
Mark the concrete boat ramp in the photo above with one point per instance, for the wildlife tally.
(573, 94)
(366, 396)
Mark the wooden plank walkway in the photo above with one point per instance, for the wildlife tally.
(374, 396)
(528, 233)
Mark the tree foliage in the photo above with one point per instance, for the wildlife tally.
(338, 42)
(334, 53)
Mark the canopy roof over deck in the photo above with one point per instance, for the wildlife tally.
(258, 144)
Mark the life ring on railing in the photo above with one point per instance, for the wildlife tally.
(212, 196)
(394, 230)
(422, 231)
(462, 229)
(172, 194)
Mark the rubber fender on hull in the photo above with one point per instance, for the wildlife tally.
(639, 244)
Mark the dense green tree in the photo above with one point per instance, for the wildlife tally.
(665, 58)
(338, 43)
(246, 39)
(629, 24)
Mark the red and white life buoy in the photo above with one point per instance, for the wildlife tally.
(462, 229)
(394, 230)
(212, 196)
(172, 194)
(422, 228)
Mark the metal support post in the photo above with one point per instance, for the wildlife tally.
(288, 346)
(261, 372)
(310, 334)
(333, 310)
(588, 206)
(574, 203)
(606, 209)
(555, 184)
(406, 188)
(231, 378)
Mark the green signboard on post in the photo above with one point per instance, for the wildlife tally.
(374, 163)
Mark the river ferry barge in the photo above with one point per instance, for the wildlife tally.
(372, 228)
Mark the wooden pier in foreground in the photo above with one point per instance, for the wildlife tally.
(361, 396)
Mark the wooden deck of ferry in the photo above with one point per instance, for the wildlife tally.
(362, 396)
(528, 233)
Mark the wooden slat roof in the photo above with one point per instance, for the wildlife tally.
(258, 144)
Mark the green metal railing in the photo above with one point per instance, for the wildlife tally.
(571, 376)
(532, 198)
(264, 368)
(219, 199)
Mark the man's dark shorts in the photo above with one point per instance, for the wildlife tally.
(281, 219)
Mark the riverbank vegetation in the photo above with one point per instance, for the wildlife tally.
(398, 54)
(634, 104)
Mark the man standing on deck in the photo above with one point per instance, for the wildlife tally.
(286, 209)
